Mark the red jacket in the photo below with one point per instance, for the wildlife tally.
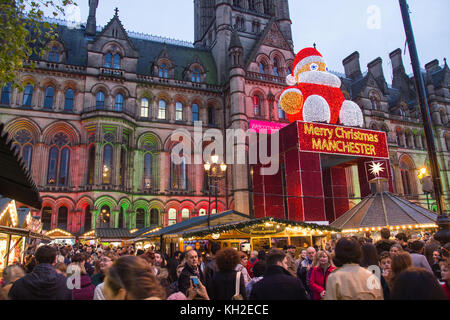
(446, 290)
(250, 267)
(318, 281)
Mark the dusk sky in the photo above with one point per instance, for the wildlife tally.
(372, 27)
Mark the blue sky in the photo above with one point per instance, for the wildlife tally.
(372, 27)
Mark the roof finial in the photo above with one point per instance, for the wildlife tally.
(116, 11)
(314, 44)
(445, 62)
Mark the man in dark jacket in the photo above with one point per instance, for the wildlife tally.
(211, 267)
(191, 269)
(278, 283)
(384, 244)
(44, 283)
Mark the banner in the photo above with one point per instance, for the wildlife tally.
(325, 138)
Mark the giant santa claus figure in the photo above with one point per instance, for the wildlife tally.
(314, 94)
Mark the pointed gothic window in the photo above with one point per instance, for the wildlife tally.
(144, 108)
(179, 111)
(118, 106)
(256, 105)
(162, 110)
(140, 218)
(53, 55)
(6, 94)
(196, 75)
(195, 113)
(178, 175)
(163, 71)
(154, 217)
(261, 68)
(28, 95)
(107, 163)
(46, 218)
(275, 67)
(68, 101)
(49, 94)
(108, 60)
(91, 165)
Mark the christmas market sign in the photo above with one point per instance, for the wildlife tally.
(325, 138)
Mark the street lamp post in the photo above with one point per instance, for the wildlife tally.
(443, 220)
(427, 184)
(215, 171)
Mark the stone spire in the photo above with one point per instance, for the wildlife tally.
(91, 26)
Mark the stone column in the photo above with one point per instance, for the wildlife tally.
(164, 171)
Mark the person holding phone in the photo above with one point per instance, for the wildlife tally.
(191, 269)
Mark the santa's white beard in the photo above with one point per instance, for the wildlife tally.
(320, 77)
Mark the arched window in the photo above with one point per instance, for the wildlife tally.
(178, 175)
(6, 94)
(120, 218)
(52, 165)
(140, 218)
(281, 114)
(405, 170)
(154, 217)
(163, 71)
(53, 55)
(105, 217)
(49, 94)
(87, 218)
(399, 139)
(46, 218)
(116, 61)
(62, 218)
(185, 215)
(196, 75)
(202, 212)
(195, 113)
(100, 101)
(162, 109)
(172, 216)
(211, 116)
(108, 60)
(262, 68)
(68, 101)
(107, 163)
(275, 67)
(147, 170)
(144, 108)
(123, 166)
(91, 165)
(118, 106)
(28, 95)
(27, 154)
(179, 111)
(256, 106)
(64, 167)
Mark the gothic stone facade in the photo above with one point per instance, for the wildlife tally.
(95, 118)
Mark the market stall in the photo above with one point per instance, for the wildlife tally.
(60, 236)
(263, 234)
(385, 210)
(112, 236)
(168, 238)
(17, 232)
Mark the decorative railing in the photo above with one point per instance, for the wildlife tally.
(265, 77)
(126, 109)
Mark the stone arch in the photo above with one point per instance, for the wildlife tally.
(188, 204)
(169, 144)
(172, 203)
(49, 81)
(407, 160)
(162, 95)
(120, 89)
(70, 84)
(100, 86)
(106, 200)
(108, 47)
(65, 201)
(83, 202)
(373, 126)
(125, 202)
(17, 124)
(385, 127)
(48, 202)
(264, 58)
(180, 98)
(151, 138)
(197, 100)
(29, 79)
(53, 128)
(156, 204)
(141, 203)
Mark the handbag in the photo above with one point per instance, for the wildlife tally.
(237, 295)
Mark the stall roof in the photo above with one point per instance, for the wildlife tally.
(204, 231)
(15, 179)
(382, 210)
(24, 233)
(112, 233)
(215, 219)
(59, 234)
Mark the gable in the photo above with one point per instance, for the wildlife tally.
(275, 38)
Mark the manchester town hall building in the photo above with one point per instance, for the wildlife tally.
(94, 121)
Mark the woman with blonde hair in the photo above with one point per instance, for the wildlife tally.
(322, 267)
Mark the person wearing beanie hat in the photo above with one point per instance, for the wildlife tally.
(314, 94)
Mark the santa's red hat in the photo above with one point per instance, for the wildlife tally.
(302, 58)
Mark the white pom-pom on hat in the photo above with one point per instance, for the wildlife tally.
(290, 80)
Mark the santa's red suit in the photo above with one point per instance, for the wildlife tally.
(333, 96)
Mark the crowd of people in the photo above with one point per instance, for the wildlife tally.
(351, 268)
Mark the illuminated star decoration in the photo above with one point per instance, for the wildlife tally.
(376, 168)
